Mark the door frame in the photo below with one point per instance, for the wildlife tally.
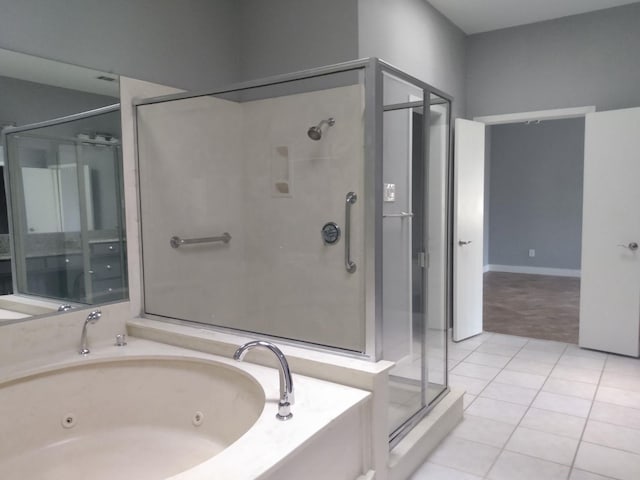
(528, 117)
(535, 116)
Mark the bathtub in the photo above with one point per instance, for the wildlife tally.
(150, 411)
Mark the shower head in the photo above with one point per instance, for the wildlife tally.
(315, 132)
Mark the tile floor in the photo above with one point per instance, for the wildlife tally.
(540, 410)
(537, 306)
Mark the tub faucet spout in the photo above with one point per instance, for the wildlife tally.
(92, 318)
(286, 382)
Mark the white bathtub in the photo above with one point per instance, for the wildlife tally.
(148, 411)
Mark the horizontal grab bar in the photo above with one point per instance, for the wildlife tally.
(176, 242)
(398, 215)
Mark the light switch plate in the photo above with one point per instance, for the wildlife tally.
(389, 192)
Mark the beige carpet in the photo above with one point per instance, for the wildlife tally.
(537, 306)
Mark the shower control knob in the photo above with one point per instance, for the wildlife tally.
(330, 233)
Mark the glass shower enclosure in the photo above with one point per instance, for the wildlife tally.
(66, 208)
(309, 208)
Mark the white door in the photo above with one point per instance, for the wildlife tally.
(610, 284)
(42, 206)
(468, 223)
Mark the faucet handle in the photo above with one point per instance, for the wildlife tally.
(94, 316)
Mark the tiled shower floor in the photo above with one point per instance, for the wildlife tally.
(540, 410)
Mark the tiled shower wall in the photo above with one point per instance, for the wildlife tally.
(209, 166)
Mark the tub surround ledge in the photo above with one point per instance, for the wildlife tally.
(324, 414)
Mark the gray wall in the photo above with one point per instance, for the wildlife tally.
(589, 59)
(280, 36)
(187, 43)
(415, 37)
(25, 102)
(536, 193)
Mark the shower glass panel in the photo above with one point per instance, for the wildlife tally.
(310, 207)
(253, 184)
(66, 209)
(414, 253)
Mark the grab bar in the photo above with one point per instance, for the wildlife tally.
(348, 264)
(398, 215)
(176, 241)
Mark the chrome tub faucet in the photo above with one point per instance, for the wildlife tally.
(92, 318)
(286, 382)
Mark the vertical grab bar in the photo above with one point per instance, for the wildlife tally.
(348, 264)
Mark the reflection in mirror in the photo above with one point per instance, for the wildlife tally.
(64, 190)
(66, 209)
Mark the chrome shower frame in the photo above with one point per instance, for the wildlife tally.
(372, 70)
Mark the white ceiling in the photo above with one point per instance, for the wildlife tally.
(49, 72)
(475, 16)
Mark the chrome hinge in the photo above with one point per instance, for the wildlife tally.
(423, 259)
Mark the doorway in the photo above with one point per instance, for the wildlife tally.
(533, 227)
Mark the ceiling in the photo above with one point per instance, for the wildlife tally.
(475, 16)
(49, 72)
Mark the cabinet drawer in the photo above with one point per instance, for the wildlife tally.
(109, 289)
(102, 268)
(64, 262)
(105, 248)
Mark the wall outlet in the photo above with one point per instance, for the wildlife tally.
(532, 252)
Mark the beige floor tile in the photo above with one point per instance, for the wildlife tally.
(567, 387)
(467, 400)
(513, 466)
(483, 430)
(471, 385)
(623, 365)
(617, 396)
(498, 349)
(538, 356)
(616, 414)
(618, 380)
(497, 410)
(431, 471)
(464, 455)
(582, 362)
(487, 359)
(520, 379)
(475, 371)
(509, 393)
(457, 353)
(511, 340)
(553, 422)
(544, 445)
(577, 351)
(562, 404)
(546, 346)
(608, 461)
(582, 475)
(529, 366)
(576, 374)
(614, 436)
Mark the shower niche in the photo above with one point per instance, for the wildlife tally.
(282, 165)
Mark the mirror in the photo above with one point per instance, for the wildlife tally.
(62, 238)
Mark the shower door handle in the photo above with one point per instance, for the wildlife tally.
(348, 264)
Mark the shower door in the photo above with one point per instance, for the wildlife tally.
(414, 224)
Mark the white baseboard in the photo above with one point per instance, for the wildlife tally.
(486, 268)
(556, 272)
